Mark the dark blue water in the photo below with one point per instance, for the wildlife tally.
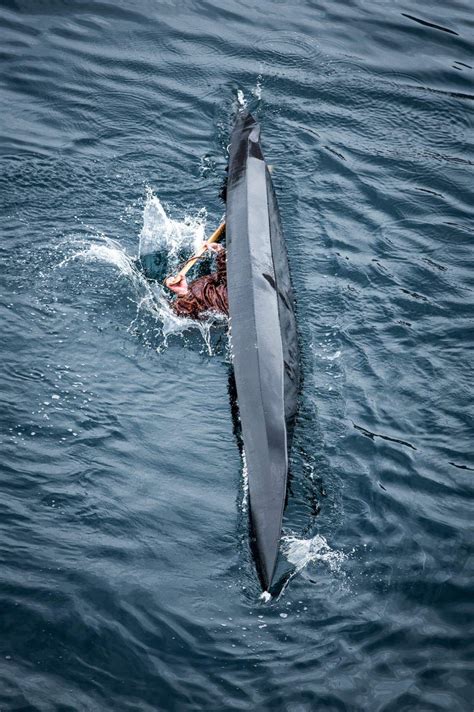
(126, 581)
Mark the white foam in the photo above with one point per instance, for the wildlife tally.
(301, 552)
(241, 100)
(333, 357)
(245, 483)
(257, 89)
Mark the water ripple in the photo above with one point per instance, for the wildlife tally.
(127, 576)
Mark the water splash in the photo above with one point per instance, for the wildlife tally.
(241, 100)
(109, 251)
(257, 89)
(161, 235)
(301, 552)
(252, 102)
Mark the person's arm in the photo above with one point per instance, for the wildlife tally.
(221, 266)
(187, 306)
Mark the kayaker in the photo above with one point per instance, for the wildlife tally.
(205, 294)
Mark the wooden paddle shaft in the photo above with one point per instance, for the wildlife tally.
(191, 262)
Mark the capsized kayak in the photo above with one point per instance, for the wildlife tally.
(264, 343)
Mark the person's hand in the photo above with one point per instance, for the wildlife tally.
(178, 284)
(212, 246)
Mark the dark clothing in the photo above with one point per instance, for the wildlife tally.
(206, 294)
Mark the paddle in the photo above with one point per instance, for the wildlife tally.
(216, 235)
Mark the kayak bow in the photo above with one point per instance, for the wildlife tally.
(264, 342)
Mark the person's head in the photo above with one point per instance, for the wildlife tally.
(178, 284)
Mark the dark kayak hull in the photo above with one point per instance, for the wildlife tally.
(264, 342)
